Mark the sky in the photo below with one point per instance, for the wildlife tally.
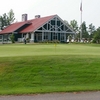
(66, 9)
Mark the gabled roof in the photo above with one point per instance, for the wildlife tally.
(34, 24)
(11, 28)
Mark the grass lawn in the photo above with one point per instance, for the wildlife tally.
(45, 68)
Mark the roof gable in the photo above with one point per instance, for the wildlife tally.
(56, 24)
(36, 23)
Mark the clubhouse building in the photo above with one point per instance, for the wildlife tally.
(39, 29)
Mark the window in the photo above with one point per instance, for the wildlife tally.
(5, 37)
(62, 37)
(0, 37)
(55, 36)
(45, 36)
(39, 36)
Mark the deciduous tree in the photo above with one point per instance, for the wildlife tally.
(97, 36)
(6, 19)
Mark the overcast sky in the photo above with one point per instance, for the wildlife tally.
(65, 9)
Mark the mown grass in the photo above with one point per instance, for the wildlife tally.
(44, 68)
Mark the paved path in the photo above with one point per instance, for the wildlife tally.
(56, 96)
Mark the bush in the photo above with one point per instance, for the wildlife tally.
(12, 37)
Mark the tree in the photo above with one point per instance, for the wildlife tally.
(1, 23)
(66, 22)
(11, 17)
(6, 19)
(74, 26)
(91, 30)
(85, 34)
(97, 36)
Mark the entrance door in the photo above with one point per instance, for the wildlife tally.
(38, 37)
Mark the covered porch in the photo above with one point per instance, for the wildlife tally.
(5, 38)
(44, 36)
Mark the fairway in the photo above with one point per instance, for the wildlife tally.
(48, 49)
(46, 68)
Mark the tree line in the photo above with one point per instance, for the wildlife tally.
(89, 33)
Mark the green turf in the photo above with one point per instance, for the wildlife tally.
(42, 68)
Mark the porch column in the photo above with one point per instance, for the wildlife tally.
(2, 39)
(27, 35)
(32, 37)
(42, 36)
(65, 37)
(22, 39)
(49, 36)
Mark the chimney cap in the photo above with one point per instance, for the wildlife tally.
(37, 16)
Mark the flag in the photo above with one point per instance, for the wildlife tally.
(81, 6)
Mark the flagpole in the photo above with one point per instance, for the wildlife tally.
(81, 21)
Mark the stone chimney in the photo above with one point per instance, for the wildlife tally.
(24, 17)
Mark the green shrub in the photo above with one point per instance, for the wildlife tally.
(12, 37)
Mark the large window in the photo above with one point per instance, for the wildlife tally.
(5, 37)
(9, 37)
(55, 36)
(39, 36)
(0, 37)
(45, 36)
(62, 37)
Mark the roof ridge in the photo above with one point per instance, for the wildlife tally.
(36, 23)
(38, 18)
